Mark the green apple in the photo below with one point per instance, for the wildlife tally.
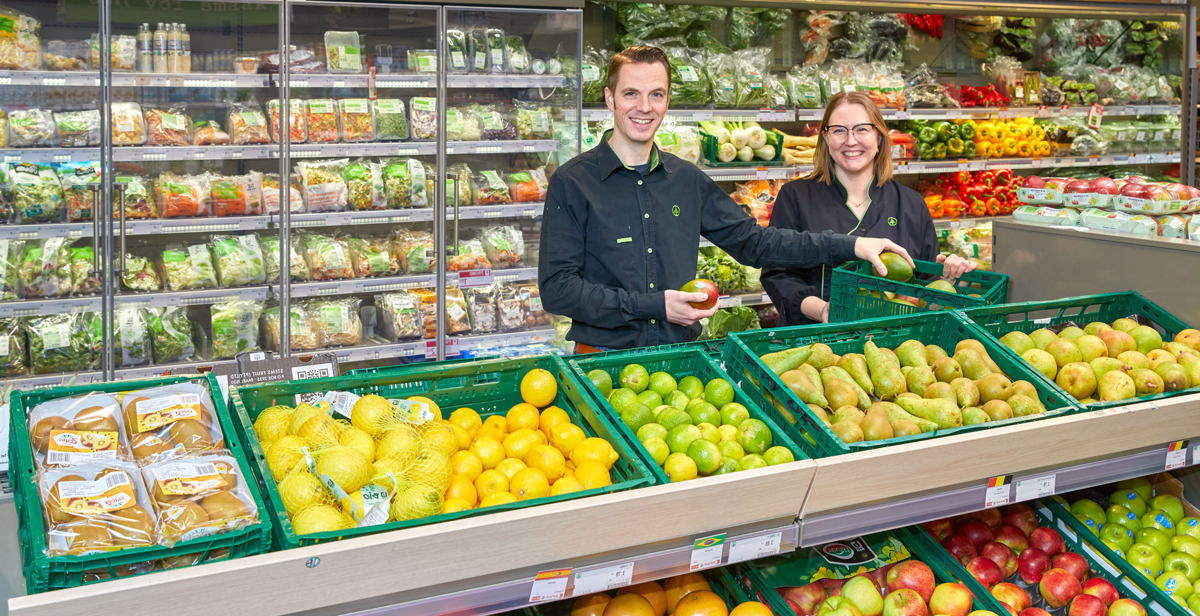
(1114, 547)
(1188, 526)
(1089, 523)
(1175, 583)
(1156, 538)
(1118, 535)
(864, 594)
(1157, 518)
(1130, 499)
(1186, 544)
(1088, 507)
(1120, 514)
(1184, 563)
(838, 606)
(1168, 504)
(1146, 559)
(1141, 485)
(1193, 603)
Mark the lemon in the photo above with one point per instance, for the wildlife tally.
(372, 414)
(320, 431)
(550, 417)
(539, 388)
(495, 427)
(272, 424)
(490, 482)
(658, 449)
(592, 475)
(424, 404)
(439, 436)
(431, 468)
(522, 415)
(548, 460)
(566, 436)
(566, 485)
(467, 464)
(528, 484)
(467, 419)
(400, 442)
(498, 498)
(359, 441)
(680, 467)
(304, 411)
(389, 473)
(594, 449)
(451, 505)
(418, 501)
(345, 466)
(520, 443)
(462, 438)
(284, 454)
(301, 489)
(510, 466)
(319, 519)
(489, 451)
(462, 488)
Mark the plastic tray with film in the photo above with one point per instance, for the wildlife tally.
(856, 292)
(945, 329)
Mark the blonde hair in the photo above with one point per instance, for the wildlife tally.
(823, 161)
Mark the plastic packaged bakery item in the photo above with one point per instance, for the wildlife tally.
(170, 421)
(482, 301)
(61, 342)
(504, 246)
(469, 256)
(78, 128)
(339, 320)
(182, 196)
(400, 315)
(324, 188)
(321, 116)
(236, 195)
(128, 125)
(305, 330)
(170, 126)
(358, 124)
(12, 348)
(188, 267)
(415, 251)
(209, 132)
(140, 274)
(235, 328)
(37, 193)
(78, 430)
(131, 336)
(391, 119)
(20, 43)
(297, 125)
(198, 496)
(406, 184)
(328, 257)
(372, 257)
(95, 507)
(31, 128)
(247, 124)
(528, 186)
(343, 54)
(81, 185)
(364, 185)
(422, 112)
(45, 268)
(239, 260)
(271, 194)
(270, 248)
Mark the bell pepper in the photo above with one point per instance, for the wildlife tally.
(962, 178)
(954, 147)
(1009, 147)
(1003, 177)
(992, 206)
(986, 178)
(978, 208)
(983, 149)
(936, 208)
(966, 130)
(927, 134)
(925, 151)
(969, 150)
(945, 130)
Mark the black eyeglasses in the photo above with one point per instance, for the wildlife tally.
(839, 132)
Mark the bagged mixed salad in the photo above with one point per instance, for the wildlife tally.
(140, 274)
(534, 121)
(37, 193)
(78, 129)
(364, 185)
(85, 279)
(170, 126)
(415, 251)
(271, 253)
(81, 189)
(236, 195)
(372, 257)
(235, 328)
(400, 315)
(181, 195)
(12, 348)
(171, 334)
(324, 188)
(239, 260)
(62, 342)
(528, 186)
(131, 334)
(492, 189)
(11, 252)
(247, 124)
(504, 246)
(133, 193)
(271, 194)
(188, 267)
(30, 128)
(338, 319)
(45, 268)
(470, 255)
(304, 330)
(496, 124)
(328, 256)
(463, 124)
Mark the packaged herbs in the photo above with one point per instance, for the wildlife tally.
(171, 334)
(391, 121)
(456, 44)
(518, 56)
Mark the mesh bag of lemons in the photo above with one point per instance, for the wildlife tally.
(395, 460)
(689, 594)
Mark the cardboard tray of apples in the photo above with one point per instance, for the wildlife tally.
(1143, 197)
(1146, 528)
(1038, 190)
(898, 573)
(1035, 564)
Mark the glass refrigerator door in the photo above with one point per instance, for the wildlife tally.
(51, 248)
(363, 152)
(510, 120)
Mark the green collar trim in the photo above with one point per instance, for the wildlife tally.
(654, 157)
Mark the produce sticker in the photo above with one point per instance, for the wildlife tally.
(79, 446)
(158, 412)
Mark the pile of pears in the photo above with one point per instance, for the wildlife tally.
(883, 393)
(1103, 362)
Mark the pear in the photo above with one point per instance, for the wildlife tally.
(799, 384)
(875, 424)
(912, 353)
(1064, 352)
(1095, 327)
(1117, 341)
(1147, 338)
(848, 413)
(998, 410)
(941, 390)
(971, 343)
(920, 377)
(848, 431)
(973, 366)
(835, 372)
(904, 427)
(840, 394)
(1077, 379)
(1178, 349)
(1025, 388)
(1193, 371)
(1042, 362)
(1070, 333)
(1116, 385)
(822, 356)
(1091, 347)
(1134, 359)
(933, 353)
(856, 366)
(814, 378)
(1043, 337)
(897, 414)
(1173, 375)
(1018, 341)
(1102, 365)
(994, 386)
(821, 414)
(1023, 405)
(1124, 324)
(1190, 337)
(940, 411)
(946, 369)
(973, 415)
(965, 392)
(885, 372)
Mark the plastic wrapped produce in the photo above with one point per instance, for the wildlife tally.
(3, 129)
(85, 280)
(460, 179)
(496, 124)
(270, 248)
(305, 329)
(320, 114)
(328, 257)
(422, 112)
(343, 53)
(497, 50)
(239, 260)
(364, 185)
(236, 195)
(188, 267)
(20, 43)
(187, 487)
(682, 141)
(140, 274)
(247, 124)
(180, 195)
(170, 126)
(470, 255)
(95, 507)
(593, 72)
(689, 84)
(339, 320)
(123, 52)
(271, 194)
(391, 120)
(509, 312)
(171, 334)
(528, 186)
(235, 328)
(78, 129)
(463, 124)
(723, 80)
(132, 336)
(504, 246)
(59, 342)
(297, 124)
(534, 121)
(324, 188)
(66, 56)
(415, 251)
(458, 319)
(81, 187)
(31, 127)
(12, 348)
(405, 184)
(456, 44)
(492, 189)
(371, 257)
(400, 315)
(358, 124)
(209, 132)
(45, 268)
(11, 252)
(37, 193)
(128, 125)
(518, 60)
(531, 306)
(482, 302)
(171, 421)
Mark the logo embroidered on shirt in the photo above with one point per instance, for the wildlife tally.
(675, 210)
(892, 221)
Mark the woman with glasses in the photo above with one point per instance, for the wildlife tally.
(850, 191)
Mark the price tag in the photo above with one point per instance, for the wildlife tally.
(729, 301)
(1196, 454)
(1095, 116)
(902, 114)
(549, 585)
(1176, 455)
(707, 551)
(761, 173)
(1042, 112)
(600, 580)
(1035, 487)
(963, 166)
(475, 278)
(998, 491)
(757, 547)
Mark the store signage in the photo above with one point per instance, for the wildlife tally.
(999, 489)
(549, 585)
(602, 579)
(1035, 487)
(707, 552)
(1176, 455)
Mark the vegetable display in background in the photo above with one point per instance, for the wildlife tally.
(62, 342)
(743, 141)
(593, 72)
(991, 192)
(726, 321)
(754, 26)
(689, 81)
(731, 277)
(235, 328)
(874, 37)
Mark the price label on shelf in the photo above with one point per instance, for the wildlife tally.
(549, 585)
(707, 552)
(1042, 112)
(1035, 487)
(1176, 455)
(998, 491)
(755, 547)
(474, 278)
(762, 173)
(729, 301)
(605, 578)
(1095, 116)
(1195, 454)
(451, 348)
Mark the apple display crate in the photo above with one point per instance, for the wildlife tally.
(856, 292)
(1060, 313)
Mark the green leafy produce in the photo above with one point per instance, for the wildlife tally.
(518, 56)
(239, 260)
(270, 249)
(45, 269)
(132, 336)
(703, 39)
(593, 72)
(140, 274)
(10, 259)
(84, 278)
(751, 26)
(235, 328)
(456, 44)
(171, 334)
(37, 193)
(188, 267)
(60, 342)
(716, 265)
(689, 84)
(533, 121)
(12, 348)
(391, 121)
(729, 320)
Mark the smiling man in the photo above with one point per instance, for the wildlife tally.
(622, 225)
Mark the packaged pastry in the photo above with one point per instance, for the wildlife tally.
(188, 267)
(391, 120)
(247, 125)
(239, 260)
(235, 195)
(132, 336)
(197, 496)
(95, 507)
(298, 127)
(78, 430)
(12, 348)
(328, 257)
(305, 331)
(37, 193)
(171, 420)
(364, 185)
(235, 328)
(66, 56)
(128, 125)
(371, 257)
(400, 315)
(354, 115)
(343, 54)
(168, 126)
(322, 119)
(209, 132)
(182, 196)
(339, 320)
(324, 188)
(78, 129)
(31, 127)
(171, 335)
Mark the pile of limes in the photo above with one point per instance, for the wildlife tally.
(689, 427)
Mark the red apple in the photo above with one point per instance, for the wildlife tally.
(1126, 607)
(986, 571)
(991, 517)
(1031, 564)
(1008, 609)
(1013, 595)
(1035, 181)
(1056, 183)
(1058, 587)
(804, 599)
(904, 602)
(960, 547)
(1047, 540)
(1034, 611)
(1012, 536)
(1135, 179)
(1087, 605)
(912, 575)
(976, 531)
(1178, 191)
(1000, 554)
(1101, 588)
(1072, 562)
(833, 588)
(1078, 186)
(940, 529)
(1135, 190)
(1157, 193)
(1022, 516)
(701, 285)
(1102, 181)
(950, 599)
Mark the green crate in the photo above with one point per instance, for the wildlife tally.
(489, 386)
(712, 348)
(402, 367)
(723, 581)
(764, 576)
(42, 572)
(1053, 512)
(944, 329)
(678, 363)
(708, 149)
(1029, 316)
(856, 292)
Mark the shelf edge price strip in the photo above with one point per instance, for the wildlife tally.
(549, 585)
(602, 579)
(1035, 487)
(707, 552)
(1176, 455)
(754, 547)
(998, 492)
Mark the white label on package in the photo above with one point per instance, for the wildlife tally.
(56, 336)
(707, 552)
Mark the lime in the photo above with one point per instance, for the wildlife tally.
(657, 448)
(622, 399)
(677, 399)
(754, 436)
(728, 433)
(733, 414)
(731, 450)
(680, 467)
(728, 465)
(750, 461)
(706, 455)
(662, 383)
(709, 432)
(635, 377)
(703, 412)
(718, 392)
(778, 455)
(669, 418)
(601, 380)
(651, 430)
(681, 436)
(637, 416)
(660, 408)
(692, 386)
(650, 398)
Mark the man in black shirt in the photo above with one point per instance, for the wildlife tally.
(622, 224)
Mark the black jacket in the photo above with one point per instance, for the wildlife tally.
(896, 212)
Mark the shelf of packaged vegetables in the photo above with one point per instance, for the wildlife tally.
(965, 223)
(57, 305)
(314, 80)
(395, 283)
(704, 115)
(966, 113)
(143, 80)
(428, 349)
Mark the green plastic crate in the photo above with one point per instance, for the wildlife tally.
(856, 292)
(489, 386)
(42, 572)
(1123, 575)
(944, 329)
(679, 364)
(722, 581)
(712, 348)
(709, 146)
(764, 576)
(1108, 307)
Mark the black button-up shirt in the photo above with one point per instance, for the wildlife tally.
(614, 240)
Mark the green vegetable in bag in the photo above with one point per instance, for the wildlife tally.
(235, 328)
(12, 348)
(59, 343)
(171, 334)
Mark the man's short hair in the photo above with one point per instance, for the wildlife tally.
(638, 54)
